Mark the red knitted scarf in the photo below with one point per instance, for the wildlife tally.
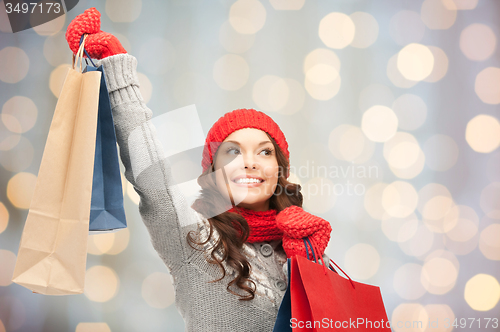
(262, 224)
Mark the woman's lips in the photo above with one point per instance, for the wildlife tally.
(249, 185)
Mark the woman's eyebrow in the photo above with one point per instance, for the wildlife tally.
(261, 143)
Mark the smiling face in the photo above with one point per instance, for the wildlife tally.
(248, 158)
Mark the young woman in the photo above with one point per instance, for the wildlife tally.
(226, 252)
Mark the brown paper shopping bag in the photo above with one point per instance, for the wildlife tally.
(53, 251)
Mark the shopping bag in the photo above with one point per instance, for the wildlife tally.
(106, 210)
(52, 253)
(283, 321)
(322, 300)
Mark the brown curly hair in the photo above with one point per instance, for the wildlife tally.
(230, 241)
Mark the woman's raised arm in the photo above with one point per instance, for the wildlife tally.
(162, 206)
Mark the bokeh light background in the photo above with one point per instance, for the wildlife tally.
(410, 89)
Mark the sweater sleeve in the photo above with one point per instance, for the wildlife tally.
(162, 205)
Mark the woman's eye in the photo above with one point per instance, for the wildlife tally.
(269, 152)
(232, 149)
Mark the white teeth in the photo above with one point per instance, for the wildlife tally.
(247, 180)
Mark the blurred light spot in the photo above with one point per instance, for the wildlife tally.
(415, 62)
(8, 140)
(478, 42)
(354, 146)
(439, 312)
(404, 156)
(124, 41)
(4, 217)
(379, 123)
(420, 243)
(441, 152)
(23, 114)
(407, 282)
(4, 27)
(411, 314)
(437, 207)
(489, 242)
(411, 111)
(448, 220)
(287, 4)
(323, 92)
(132, 194)
(296, 97)
(104, 242)
(439, 275)
(483, 133)
(399, 199)
(461, 247)
(375, 94)
(91, 246)
(233, 41)
(20, 189)
(429, 191)
(157, 56)
(366, 29)
(190, 88)
(321, 56)
(123, 10)
(231, 72)
(92, 327)
(466, 226)
(7, 262)
(56, 50)
(16, 312)
(320, 194)
(362, 261)
(101, 283)
(406, 27)
(322, 74)
(487, 85)
(270, 93)
(395, 75)
(49, 28)
(440, 65)
(462, 4)
(14, 64)
(482, 292)
(19, 158)
(348, 143)
(336, 30)
(247, 16)
(438, 14)
(158, 291)
(373, 201)
(146, 87)
(120, 243)
(57, 77)
(400, 229)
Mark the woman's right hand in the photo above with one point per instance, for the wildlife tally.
(98, 44)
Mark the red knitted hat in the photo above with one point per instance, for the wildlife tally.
(239, 119)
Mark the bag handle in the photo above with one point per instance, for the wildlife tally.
(313, 248)
(86, 53)
(79, 53)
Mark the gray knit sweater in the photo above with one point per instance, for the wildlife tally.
(204, 306)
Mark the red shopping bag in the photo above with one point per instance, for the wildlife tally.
(322, 300)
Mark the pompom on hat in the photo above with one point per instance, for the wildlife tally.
(236, 120)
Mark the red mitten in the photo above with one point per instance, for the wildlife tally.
(89, 22)
(99, 44)
(297, 224)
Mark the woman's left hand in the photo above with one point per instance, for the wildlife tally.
(297, 224)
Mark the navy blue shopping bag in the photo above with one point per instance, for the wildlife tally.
(283, 321)
(106, 209)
